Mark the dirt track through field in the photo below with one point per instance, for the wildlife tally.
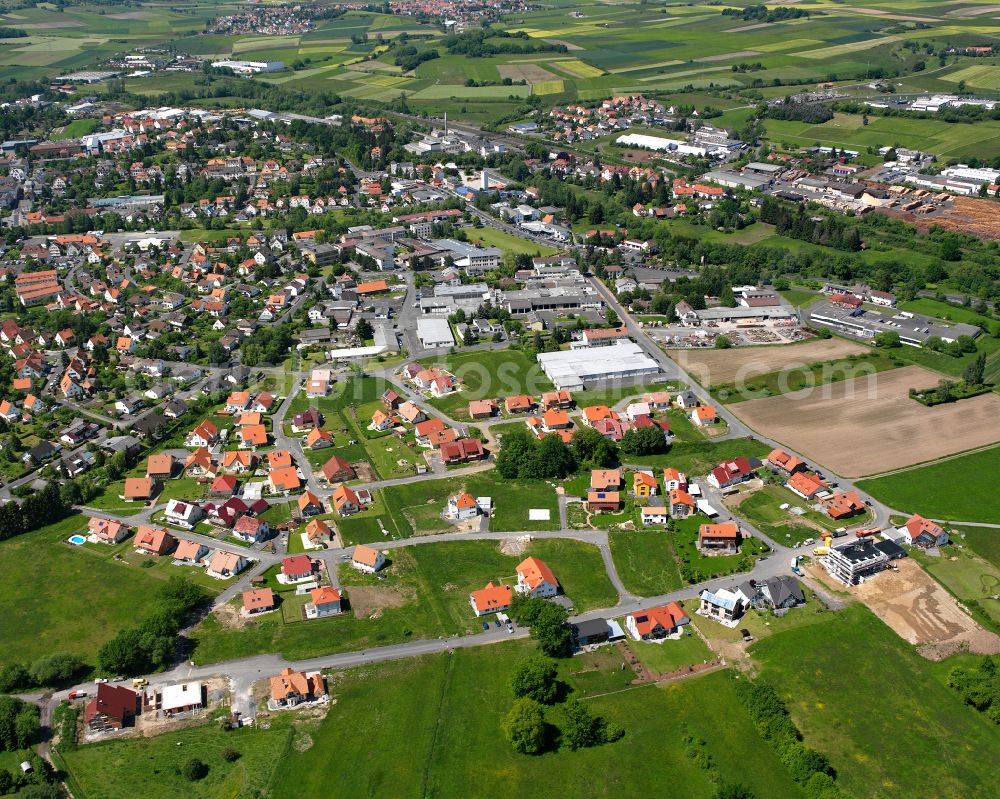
(714, 367)
(870, 425)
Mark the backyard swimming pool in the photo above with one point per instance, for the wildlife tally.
(76, 540)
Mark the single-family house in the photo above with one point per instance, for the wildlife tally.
(250, 529)
(644, 485)
(139, 489)
(258, 600)
(491, 599)
(345, 500)
(681, 503)
(703, 416)
(781, 592)
(519, 404)
(205, 434)
(323, 601)
(154, 541)
(921, 532)
(367, 559)
(462, 506)
(183, 514)
(723, 605)
(601, 501)
(337, 470)
(160, 466)
(284, 480)
(606, 480)
(223, 565)
(654, 515)
(309, 504)
(657, 624)
(190, 552)
(296, 568)
(719, 539)
(291, 688)
(730, 473)
(112, 708)
(482, 408)
(107, 531)
(843, 505)
(806, 484)
(785, 463)
(535, 579)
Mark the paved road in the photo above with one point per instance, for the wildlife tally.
(737, 429)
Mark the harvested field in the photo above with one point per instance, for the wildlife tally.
(972, 11)
(568, 45)
(713, 367)
(878, 12)
(870, 425)
(728, 56)
(921, 612)
(532, 73)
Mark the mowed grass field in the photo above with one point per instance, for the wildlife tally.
(118, 769)
(849, 681)
(62, 598)
(962, 488)
(431, 727)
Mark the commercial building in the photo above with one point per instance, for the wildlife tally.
(434, 333)
(864, 323)
(576, 369)
(250, 67)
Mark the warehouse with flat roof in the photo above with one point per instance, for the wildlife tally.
(434, 333)
(576, 369)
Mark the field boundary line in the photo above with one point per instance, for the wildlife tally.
(933, 462)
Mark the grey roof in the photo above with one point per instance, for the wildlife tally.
(780, 589)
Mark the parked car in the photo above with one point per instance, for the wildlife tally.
(77, 694)
(486, 625)
(510, 627)
(101, 680)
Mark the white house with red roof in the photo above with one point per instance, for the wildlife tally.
(921, 532)
(657, 624)
(730, 473)
(491, 599)
(535, 579)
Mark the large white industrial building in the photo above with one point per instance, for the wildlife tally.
(575, 369)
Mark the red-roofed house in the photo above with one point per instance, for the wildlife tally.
(535, 579)
(719, 539)
(491, 599)
(921, 532)
(657, 624)
(296, 568)
(730, 473)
